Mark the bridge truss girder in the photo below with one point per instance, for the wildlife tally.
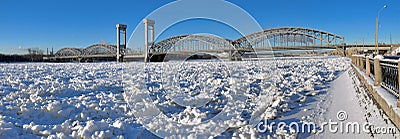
(289, 36)
(262, 40)
(69, 52)
(191, 42)
(96, 49)
(100, 49)
(271, 38)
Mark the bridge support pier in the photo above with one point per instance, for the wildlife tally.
(121, 47)
(234, 56)
(157, 58)
(148, 23)
(344, 50)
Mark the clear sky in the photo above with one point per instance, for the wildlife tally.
(80, 23)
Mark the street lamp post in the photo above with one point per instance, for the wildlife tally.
(356, 48)
(377, 29)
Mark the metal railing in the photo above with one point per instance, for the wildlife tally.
(371, 68)
(364, 61)
(384, 74)
(390, 76)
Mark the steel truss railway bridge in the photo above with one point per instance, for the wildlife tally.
(284, 38)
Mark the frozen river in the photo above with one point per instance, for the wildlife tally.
(174, 99)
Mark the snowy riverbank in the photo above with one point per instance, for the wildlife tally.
(87, 100)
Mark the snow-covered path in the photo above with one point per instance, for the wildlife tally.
(348, 102)
(341, 97)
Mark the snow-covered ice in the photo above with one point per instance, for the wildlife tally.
(91, 100)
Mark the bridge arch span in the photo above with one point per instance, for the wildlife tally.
(286, 36)
(69, 52)
(192, 42)
(100, 49)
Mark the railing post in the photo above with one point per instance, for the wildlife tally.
(357, 62)
(378, 71)
(362, 63)
(356, 57)
(367, 67)
(398, 78)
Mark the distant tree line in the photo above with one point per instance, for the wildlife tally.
(21, 58)
(34, 55)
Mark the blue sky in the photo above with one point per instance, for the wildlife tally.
(78, 23)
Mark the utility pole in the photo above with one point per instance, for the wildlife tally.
(391, 39)
(391, 44)
(363, 46)
(356, 48)
(377, 29)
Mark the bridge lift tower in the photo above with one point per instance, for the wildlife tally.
(121, 48)
(148, 25)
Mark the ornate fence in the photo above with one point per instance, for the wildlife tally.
(390, 76)
(385, 76)
(383, 72)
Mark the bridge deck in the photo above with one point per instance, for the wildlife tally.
(277, 48)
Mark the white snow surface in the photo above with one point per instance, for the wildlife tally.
(348, 94)
(71, 100)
